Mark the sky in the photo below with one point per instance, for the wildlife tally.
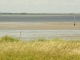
(40, 6)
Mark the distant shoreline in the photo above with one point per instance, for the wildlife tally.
(39, 13)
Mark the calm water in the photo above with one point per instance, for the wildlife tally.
(39, 18)
(45, 34)
(35, 34)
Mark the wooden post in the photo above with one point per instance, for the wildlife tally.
(74, 20)
(20, 34)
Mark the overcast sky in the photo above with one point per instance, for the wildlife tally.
(40, 6)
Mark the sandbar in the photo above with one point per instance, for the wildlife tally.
(41, 25)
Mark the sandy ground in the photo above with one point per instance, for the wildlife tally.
(42, 26)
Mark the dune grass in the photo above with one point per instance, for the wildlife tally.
(57, 49)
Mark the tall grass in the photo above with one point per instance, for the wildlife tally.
(39, 50)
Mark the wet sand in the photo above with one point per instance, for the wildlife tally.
(41, 25)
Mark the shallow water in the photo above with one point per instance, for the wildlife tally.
(39, 18)
(35, 34)
(44, 34)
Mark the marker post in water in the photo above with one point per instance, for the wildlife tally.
(20, 34)
(74, 20)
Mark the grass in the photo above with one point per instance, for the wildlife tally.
(57, 49)
(8, 39)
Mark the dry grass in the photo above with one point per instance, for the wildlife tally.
(56, 49)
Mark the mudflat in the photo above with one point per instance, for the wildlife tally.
(42, 25)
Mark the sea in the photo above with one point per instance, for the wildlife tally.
(42, 34)
(39, 18)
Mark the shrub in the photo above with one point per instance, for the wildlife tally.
(8, 39)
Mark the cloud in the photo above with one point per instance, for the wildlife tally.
(37, 4)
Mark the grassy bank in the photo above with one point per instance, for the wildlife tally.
(57, 49)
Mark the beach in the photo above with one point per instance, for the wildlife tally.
(41, 25)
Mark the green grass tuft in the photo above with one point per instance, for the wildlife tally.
(8, 39)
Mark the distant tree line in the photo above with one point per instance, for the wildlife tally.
(38, 13)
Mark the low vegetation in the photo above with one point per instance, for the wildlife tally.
(57, 49)
(8, 39)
